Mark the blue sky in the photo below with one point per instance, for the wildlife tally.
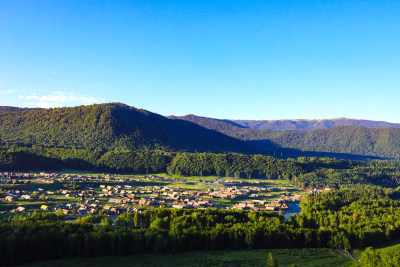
(223, 59)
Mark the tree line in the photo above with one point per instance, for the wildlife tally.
(304, 172)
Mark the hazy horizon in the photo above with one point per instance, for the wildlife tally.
(230, 119)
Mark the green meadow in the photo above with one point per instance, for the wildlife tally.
(284, 257)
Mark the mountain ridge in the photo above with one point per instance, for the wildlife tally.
(109, 126)
(293, 124)
(305, 124)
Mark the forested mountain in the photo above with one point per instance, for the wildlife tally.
(379, 142)
(210, 123)
(349, 139)
(106, 127)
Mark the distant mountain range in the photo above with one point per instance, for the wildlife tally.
(11, 109)
(352, 139)
(113, 126)
(298, 124)
(311, 124)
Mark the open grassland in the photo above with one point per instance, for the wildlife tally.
(285, 257)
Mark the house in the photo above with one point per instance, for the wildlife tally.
(19, 209)
(65, 211)
(144, 201)
(117, 210)
(10, 198)
(70, 206)
(297, 197)
(115, 200)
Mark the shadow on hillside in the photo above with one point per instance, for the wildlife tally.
(272, 149)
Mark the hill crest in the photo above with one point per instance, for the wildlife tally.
(284, 124)
(109, 126)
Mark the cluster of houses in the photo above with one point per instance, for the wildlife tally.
(14, 195)
(44, 177)
(262, 205)
(167, 196)
(115, 195)
(161, 179)
(25, 178)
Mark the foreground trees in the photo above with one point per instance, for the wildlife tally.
(345, 219)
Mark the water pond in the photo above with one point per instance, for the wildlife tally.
(294, 208)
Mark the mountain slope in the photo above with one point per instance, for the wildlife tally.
(210, 123)
(356, 140)
(349, 139)
(106, 127)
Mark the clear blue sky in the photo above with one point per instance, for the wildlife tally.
(223, 59)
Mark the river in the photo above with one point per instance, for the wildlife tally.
(294, 208)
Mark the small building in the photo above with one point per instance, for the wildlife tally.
(20, 209)
(10, 198)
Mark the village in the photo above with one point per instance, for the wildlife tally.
(110, 194)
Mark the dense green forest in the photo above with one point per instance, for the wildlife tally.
(304, 172)
(321, 172)
(384, 257)
(106, 127)
(149, 161)
(348, 218)
(379, 142)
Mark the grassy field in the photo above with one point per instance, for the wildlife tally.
(285, 257)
